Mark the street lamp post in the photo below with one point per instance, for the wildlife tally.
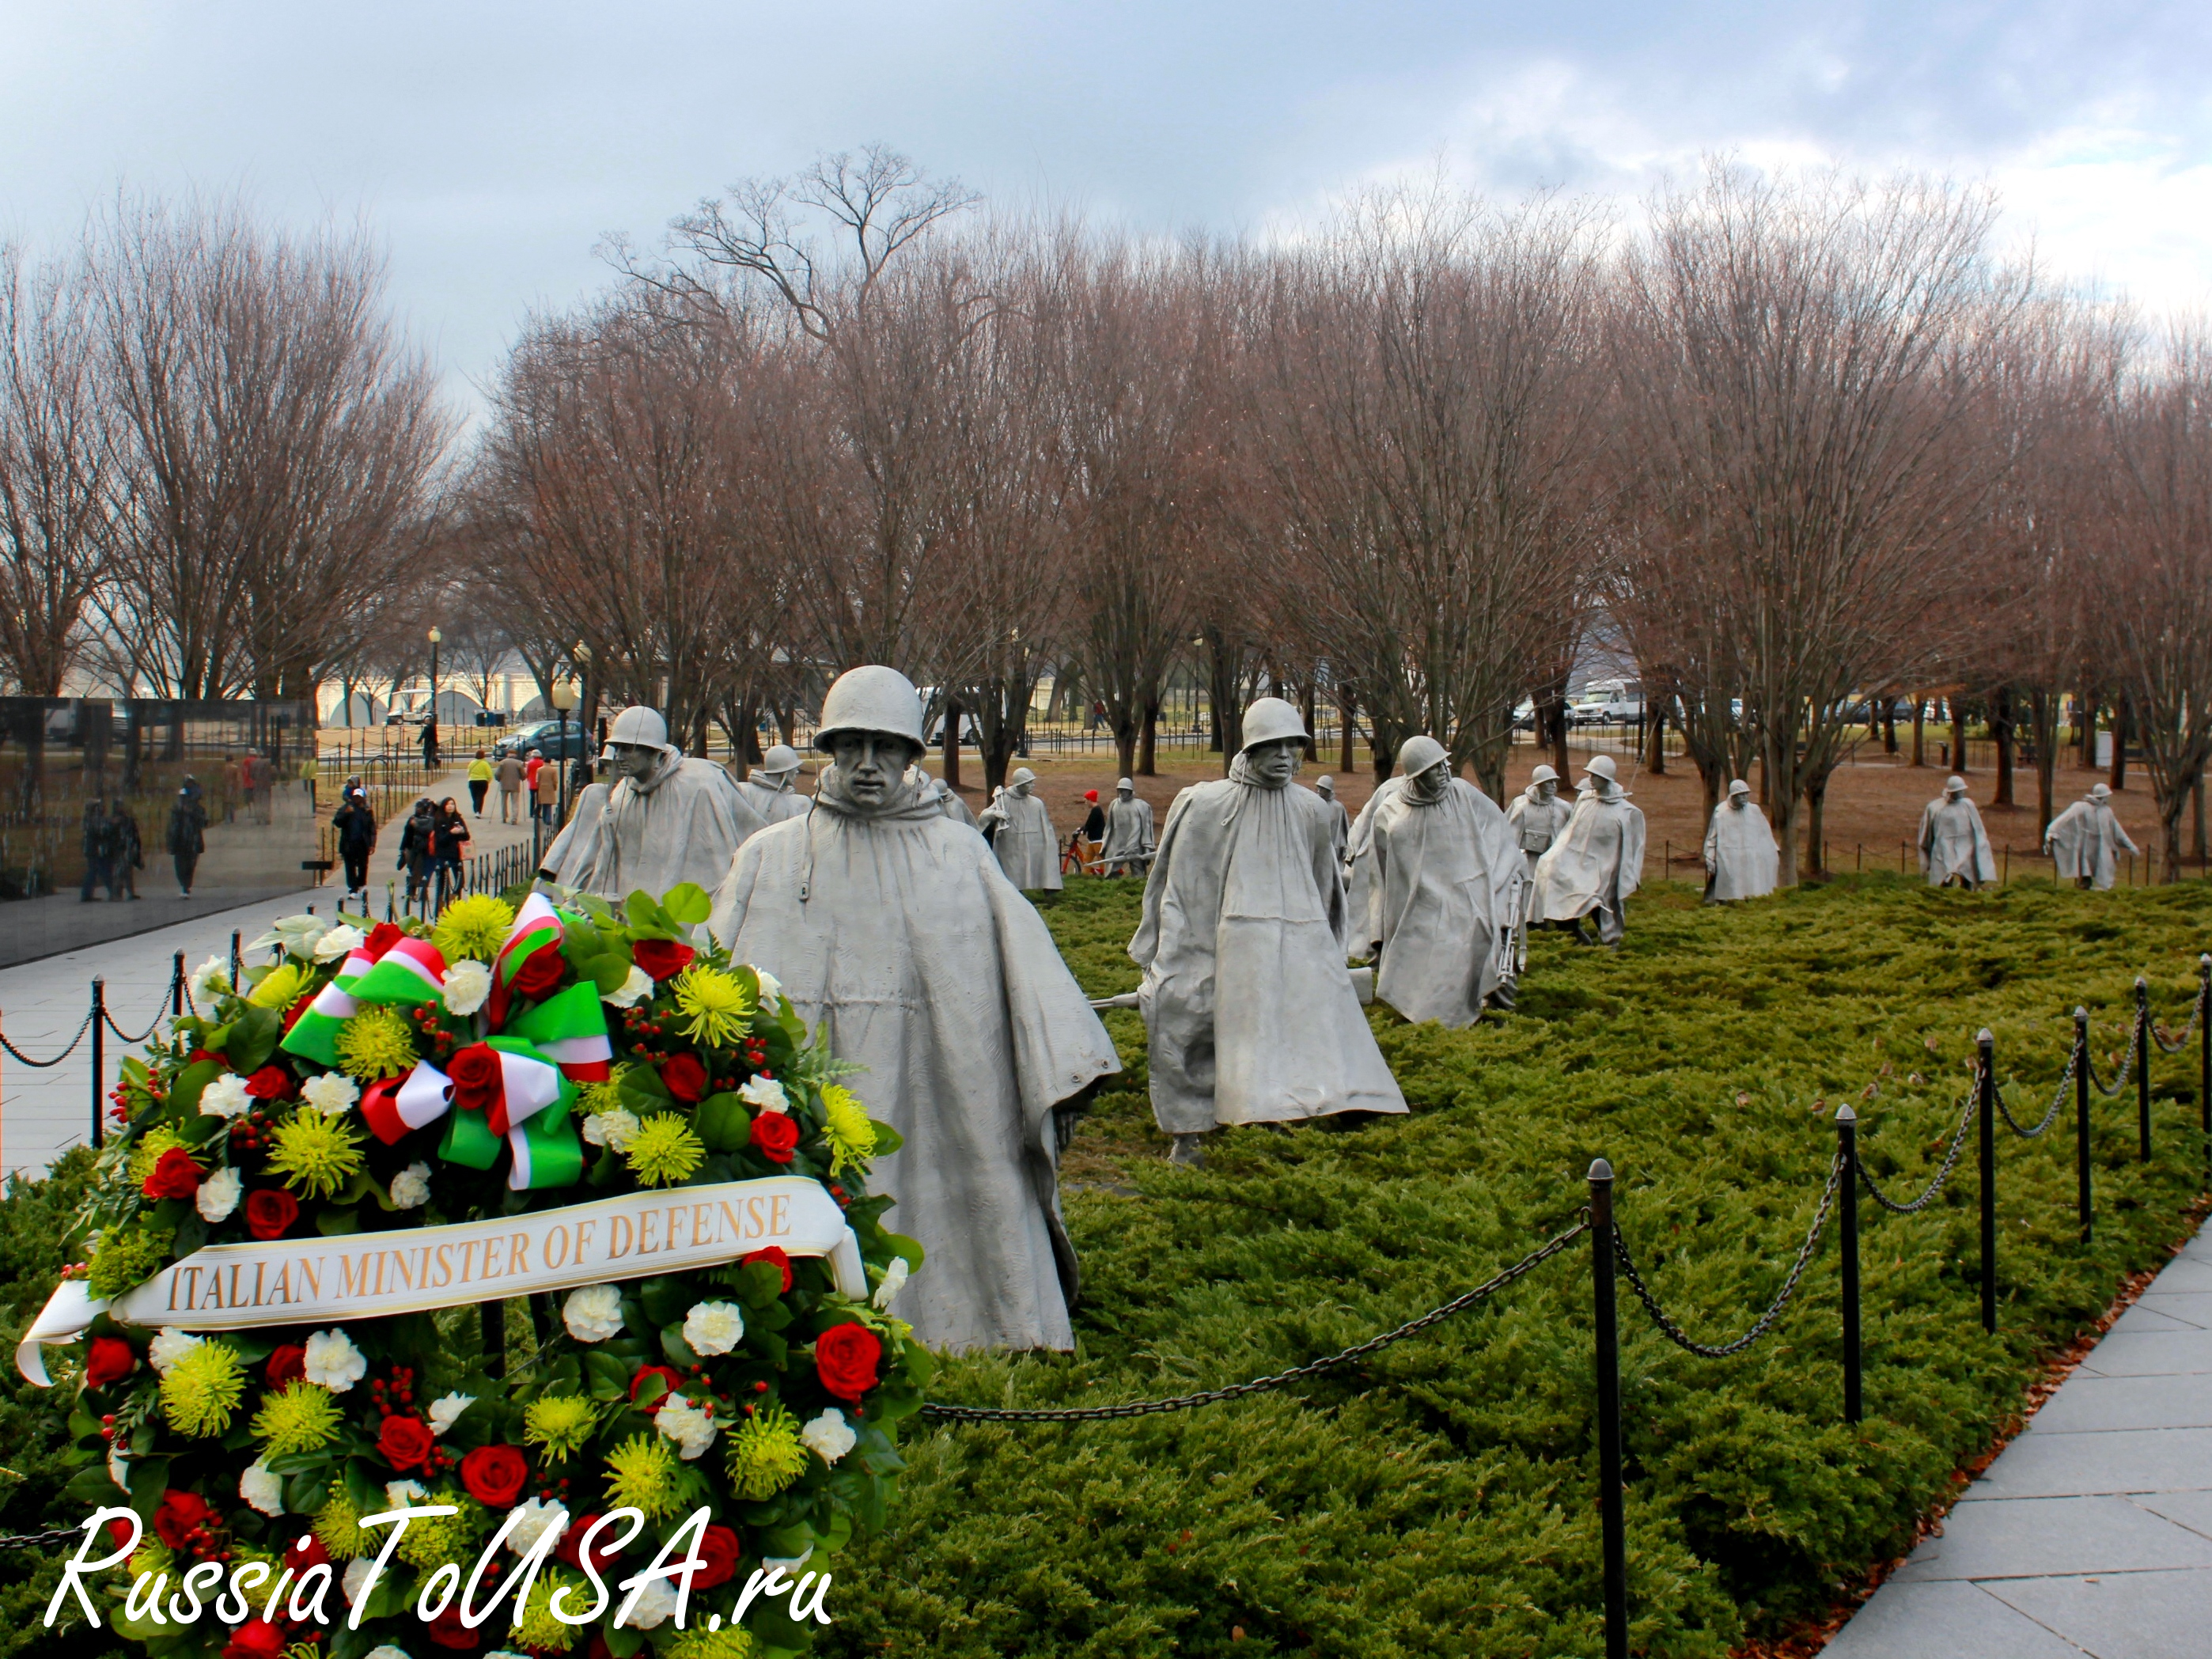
(564, 699)
(436, 637)
(583, 656)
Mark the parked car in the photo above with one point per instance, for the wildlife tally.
(1524, 715)
(1615, 707)
(523, 739)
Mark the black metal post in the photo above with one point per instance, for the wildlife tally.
(1987, 1106)
(2205, 1056)
(2082, 1118)
(1847, 1148)
(99, 1058)
(1611, 1522)
(237, 964)
(176, 985)
(2143, 1065)
(564, 764)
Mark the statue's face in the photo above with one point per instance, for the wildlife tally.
(1548, 790)
(779, 779)
(871, 762)
(1274, 763)
(1125, 795)
(1429, 784)
(1738, 801)
(1023, 788)
(632, 760)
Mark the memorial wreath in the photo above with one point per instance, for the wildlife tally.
(321, 1176)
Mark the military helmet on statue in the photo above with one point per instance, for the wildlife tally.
(639, 727)
(1270, 720)
(872, 698)
(1418, 754)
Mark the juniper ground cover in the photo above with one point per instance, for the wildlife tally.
(1440, 1498)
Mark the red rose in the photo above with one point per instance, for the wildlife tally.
(111, 1359)
(493, 1475)
(845, 1359)
(540, 972)
(774, 1256)
(476, 1074)
(175, 1175)
(119, 1531)
(448, 1631)
(179, 1515)
(685, 1077)
(405, 1441)
(288, 1363)
(270, 1211)
(313, 1556)
(570, 1548)
(669, 1379)
(774, 1134)
(382, 938)
(664, 958)
(718, 1547)
(272, 1082)
(257, 1639)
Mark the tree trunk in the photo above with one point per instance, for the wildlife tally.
(1556, 713)
(2085, 731)
(2001, 728)
(1816, 809)
(1958, 737)
(2118, 779)
(1920, 731)
(2043, 720)
(1346, 707)
(1655, 760)
(1148, 755)
(2197, 821)
(1308, 710)
(950, 738)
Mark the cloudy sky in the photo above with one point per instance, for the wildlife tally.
(488, 146)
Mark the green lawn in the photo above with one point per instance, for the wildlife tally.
(1441, 1498)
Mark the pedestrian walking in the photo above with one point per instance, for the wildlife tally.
(479, 781)
(430, 742)
(96, 843)
(126, 852)
(547, 784)
(418, 847)
(357, 830)
(449, 845)
(310, 770)
(509, 773)
(187, 834)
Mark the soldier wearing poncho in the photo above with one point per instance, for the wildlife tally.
(2085, 841)
(664, 820)
(1325, 786)
(948, 801)
(1953, 845)
(896, 936)
(772, 790)
(1597, 861)
(1128, 832)
(1447, 891)
(1028, 848)
(1741, 861)
(1358, 856)
(1536, 815)
(1250, 1013)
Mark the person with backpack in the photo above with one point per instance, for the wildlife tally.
(450, 844)
(357, 830)
(418, 847)
(187, 834)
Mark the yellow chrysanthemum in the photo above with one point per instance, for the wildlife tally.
(282, 986)
(475, 927)
(537, 1628)
(202, 1389)
(315, 1154)
(146, 1150)
(766, 1454)
(665, 1150)
(596, 1097)
(435, 1540)
(303, 1418)
(338, 1524)
(152, 1556)
(731, 1642)
(641, 1474)
(717, 1006)
(561, 1423)
(852, 1138)
(375, 1042)
(128, 1256)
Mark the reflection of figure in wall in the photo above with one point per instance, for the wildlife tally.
(126, 852)
(187, 834)
(95, 843)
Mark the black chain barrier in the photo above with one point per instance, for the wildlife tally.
(2057, 1098)
(1311, 1368)
(1765, 1323)
(2196, 1013)
(1950, 1162)
(169, 991)
(22, 1058)
(2127, 1063)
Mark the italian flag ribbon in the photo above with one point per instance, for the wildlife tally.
(525, 1112)
(314, 1035)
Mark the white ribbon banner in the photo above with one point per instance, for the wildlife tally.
(304, 1281)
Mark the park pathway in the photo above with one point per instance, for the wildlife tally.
(44, 1113)
(2092, 1532)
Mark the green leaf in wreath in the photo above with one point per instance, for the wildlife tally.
(253, 1037)
(688, 902)
(680, 1352)
(609, 969)
(304, 1493)
(149, 1478)
(334, 1221)
(622, 1643)
(641, 1086)
(724, 1123)
(92, 1485)
(606, 1379)
(666, 1300)
(185, 1098)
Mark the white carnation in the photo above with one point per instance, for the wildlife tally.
(468, 986)
(226, 1097)
(297, 935)
(410, 1187)
(333, 1094)
(444, 1412)
(386, 1651)
(210, 980)
(771, 992)
(895, 1278)
(356, 1575)
(765, 1094)
(635, 988)
(655, 1602)
(532, 1519)
(826, 1436)
(713, 1327)
(403, 1494)
(261, 1489)
(219, 1194)
(334, 1362)
(341, 941)
(169, 1346)
(691, 1429)
(592, 1313)
(614, 1128)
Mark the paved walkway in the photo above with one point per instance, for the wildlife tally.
(2092, 1532)
(42, 1112)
